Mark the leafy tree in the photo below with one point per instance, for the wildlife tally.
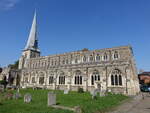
(1, 69)
(15, 65)
(4, 82)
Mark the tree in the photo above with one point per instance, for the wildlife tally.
(15, 65)
(1, 69)
(4, 82)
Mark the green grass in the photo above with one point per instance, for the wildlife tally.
(39, 103)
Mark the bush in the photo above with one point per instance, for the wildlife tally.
(2, 82)
(80, 90)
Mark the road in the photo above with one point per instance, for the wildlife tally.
(136, 105)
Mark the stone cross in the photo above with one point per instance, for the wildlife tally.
(51, 98)
(27, 98)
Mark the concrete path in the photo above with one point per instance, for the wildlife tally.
(136, 105)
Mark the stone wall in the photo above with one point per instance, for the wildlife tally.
(78, 69)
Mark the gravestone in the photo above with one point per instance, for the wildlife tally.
(94, 93)
(102, 93)
(17, 96)
(66, 91)
(18, 89)
(77, 109)
(1, 88)
(51, 98)
(27, 98)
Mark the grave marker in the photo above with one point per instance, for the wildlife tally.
(27, 98)
(51, 98)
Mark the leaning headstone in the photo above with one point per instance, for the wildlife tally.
(27, 98)
(94, 93)
(17, 96)
(66, 91)
(51, 98)
(102, 93)
(77, 109)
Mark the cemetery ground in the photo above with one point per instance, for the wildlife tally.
(39, 102)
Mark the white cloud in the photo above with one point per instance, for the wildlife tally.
(8, 4)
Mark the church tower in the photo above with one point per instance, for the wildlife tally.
(31, 49)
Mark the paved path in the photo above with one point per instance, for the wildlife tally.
(136, 105)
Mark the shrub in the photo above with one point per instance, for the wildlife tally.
(80, 90)
(4, 82)
(1, 82)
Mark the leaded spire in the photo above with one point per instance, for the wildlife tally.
(32, 43)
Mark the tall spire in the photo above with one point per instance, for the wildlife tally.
(32, 43)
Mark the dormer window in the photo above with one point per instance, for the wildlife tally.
(84, 59)
(91, 58)
(105, 57)
(63, 62)
(67, 61)
(116, 55)
(97, 57)
(76, 60)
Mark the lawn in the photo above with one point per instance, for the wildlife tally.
(39, 102)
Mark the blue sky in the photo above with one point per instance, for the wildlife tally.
(70, 25)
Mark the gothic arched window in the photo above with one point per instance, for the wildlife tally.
(116, 78)
(78, 78)
(112, 79)
(51, 79)
(26, 79)
(120, 80)
(116, 55)
(41, 80)
(62, 78)
(33, 79)
(95, 77)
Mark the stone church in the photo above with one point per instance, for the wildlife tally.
(110, 69)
